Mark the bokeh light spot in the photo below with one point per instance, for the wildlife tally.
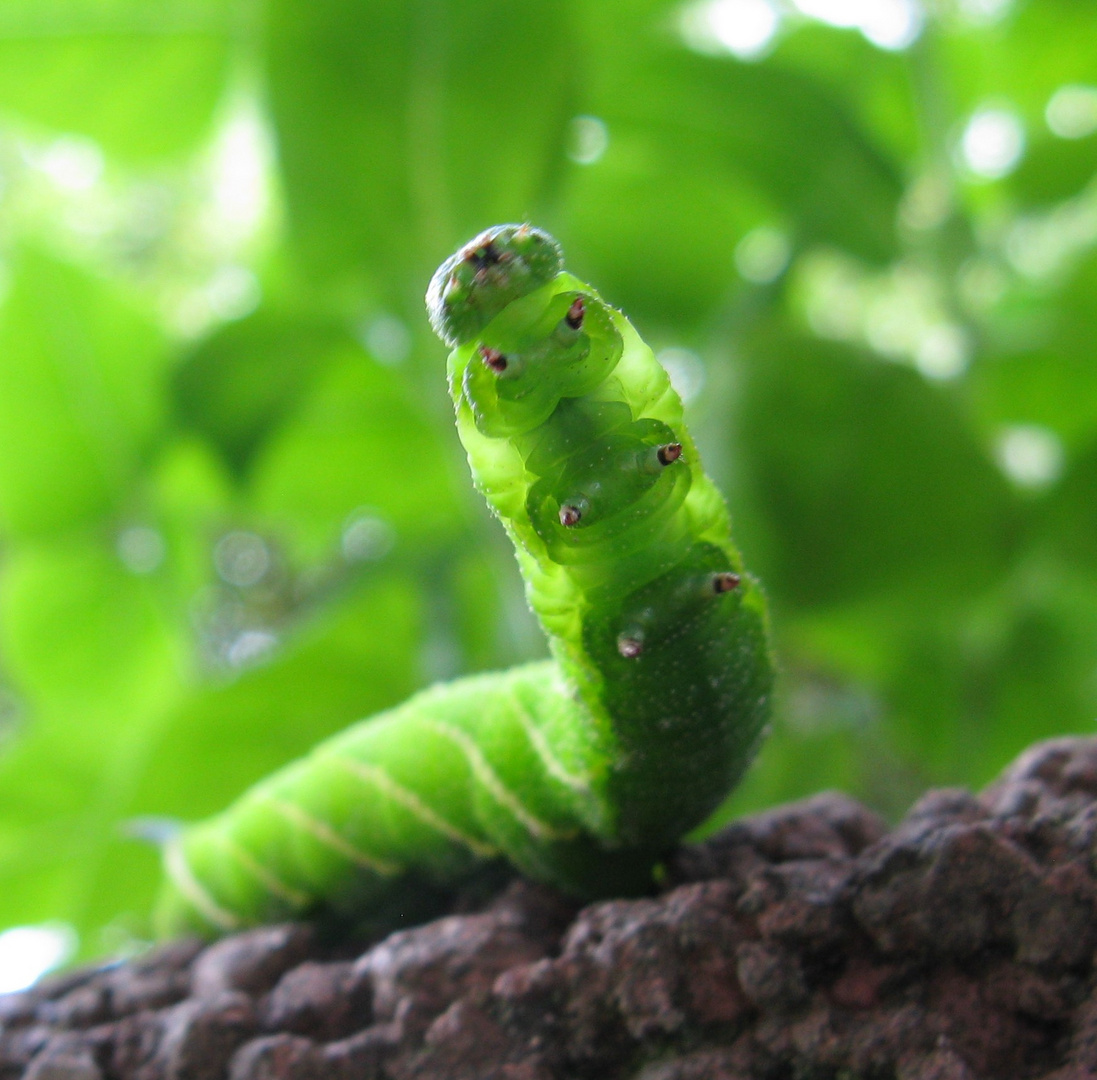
(241, 166)
(28, 952)
(242, 559)
(250, 647)
(888, 24)
(983, 12)
(366, 537)
(387, 338)
(588, 138)
(1030, 455)
(762, 255)
(141, 549)
(744, 28)
(993, 142)
(1072, 111)
(72, 162)
(942, 352)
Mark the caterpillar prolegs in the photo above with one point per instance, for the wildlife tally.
(583, 769)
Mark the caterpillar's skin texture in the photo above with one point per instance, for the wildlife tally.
(582, 769)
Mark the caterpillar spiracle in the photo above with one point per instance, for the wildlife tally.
(581, 770)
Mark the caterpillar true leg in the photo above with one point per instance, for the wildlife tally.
(582, 769)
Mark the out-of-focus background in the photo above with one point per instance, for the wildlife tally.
(234, 515)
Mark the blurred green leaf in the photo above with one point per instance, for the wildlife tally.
(146, 743)
(141, 77)
(863, 478)
(784, 132)
(1068, 515)
(188, 503)
(882, 98)
(678, 218)
(244, 379)
(357, 444)
(79, 395)
(404, 128)
(96, 660)
(1014, 668)
(77, 630)
(1052, 379)
(794, 763)
(1055, 169)
(351, 659)
(1022, 59)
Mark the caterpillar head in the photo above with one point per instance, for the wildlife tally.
(500, 265)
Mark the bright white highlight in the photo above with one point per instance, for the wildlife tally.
(73, 163)
(240, 171)
(235, 215)
(984, 11)
(28, 952)
(762, 255)
(1030, 455)
(942, 352)
(845, 13)
(992, 143)
(892, 24)
(1072, 111)
(888, 24)
(744, 28)
(588, 138)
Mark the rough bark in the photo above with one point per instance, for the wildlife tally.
(805, 942)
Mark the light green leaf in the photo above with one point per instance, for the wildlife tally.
(141, 77)
(356, 444)
(80, 396)
(96, 662)
(117, 733)
(77, 630)
(347, 663)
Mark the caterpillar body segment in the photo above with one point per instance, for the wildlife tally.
(580, 770)
(487, 766)
(620, 553)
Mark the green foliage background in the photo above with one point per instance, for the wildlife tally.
(234, 515)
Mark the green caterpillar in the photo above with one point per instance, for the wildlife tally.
(581, 770)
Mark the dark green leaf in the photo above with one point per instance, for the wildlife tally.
(404, 128)
(246, 378)
(863, 477)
